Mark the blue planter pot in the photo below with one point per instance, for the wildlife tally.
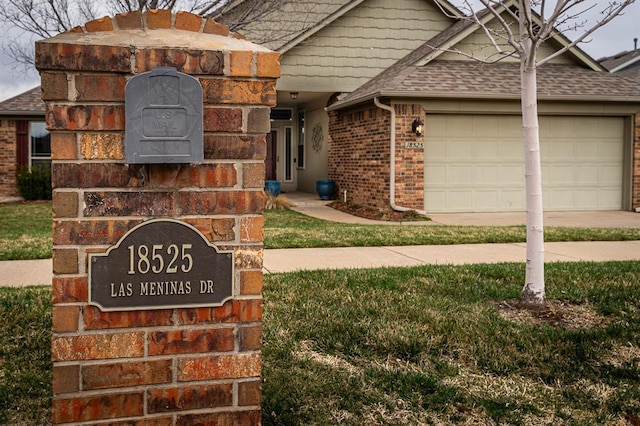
(325, 189)
(273, 187)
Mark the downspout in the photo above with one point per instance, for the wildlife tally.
(392, 166)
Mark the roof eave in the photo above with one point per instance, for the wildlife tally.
(626, 64)
(22, 113)
(478, 95)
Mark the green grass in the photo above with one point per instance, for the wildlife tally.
(289, 229)
(25, 356)
(406, 346)
(25, 231)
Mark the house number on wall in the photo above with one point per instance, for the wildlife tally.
(159, 264)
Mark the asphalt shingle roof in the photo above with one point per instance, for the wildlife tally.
(27, 103)
(470, 79)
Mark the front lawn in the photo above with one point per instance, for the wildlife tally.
(289, 229)
(25, 232)
(407, 346)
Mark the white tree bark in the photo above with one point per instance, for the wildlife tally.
(534, 286)
(533, 291)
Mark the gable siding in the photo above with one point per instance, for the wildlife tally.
(478, 46)
(360, 45)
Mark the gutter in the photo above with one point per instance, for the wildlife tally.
(392, 165)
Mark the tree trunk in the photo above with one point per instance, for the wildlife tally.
(533, 291)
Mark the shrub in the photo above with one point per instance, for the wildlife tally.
(34, 183)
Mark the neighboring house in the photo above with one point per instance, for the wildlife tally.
(624, 63)
(24, 140)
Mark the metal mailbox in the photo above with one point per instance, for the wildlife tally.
(163, 110)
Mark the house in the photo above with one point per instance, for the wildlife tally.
(626, 63)
(455, 128)
(345, 70)
(24, 140)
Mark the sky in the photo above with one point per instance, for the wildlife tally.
(609, 40)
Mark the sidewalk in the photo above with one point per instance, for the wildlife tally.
(34, 272)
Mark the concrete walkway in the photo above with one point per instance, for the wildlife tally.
(35, 272)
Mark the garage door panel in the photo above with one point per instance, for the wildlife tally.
(485, 199)
(460, 175)
(482, 169)
(460, 149)
(485, 175)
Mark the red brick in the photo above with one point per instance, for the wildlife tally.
(197, 176)
(212, 27)
(64, 146)
(55, 86)
(92, 87)
(221, 202)
(241, 63)
(189, 398)
(100, 24)
(249, 258)
(125, 374)
(104, 406)
(252, 229)
(158, 19)
(259, 120)
(65, 261)
(219, 367)
(96, 175)
(245, 310)
(101, 146)
(222, 119)
(238, 147)
(216, 229)
(249, 393)
(69, 290)
(189, 61)
(147, 421)
(268, 65)
(129, 21)
(65, 204)
(95, 319)
(88, 232)
(65, 318)
(66, 378)
(246, 92)
(147, 204)
(250, 338)
(235, 418)
(253, 175)
(190, 341)
(85, 117)
(251, 282)
(97, 346)
(63, 56)
(188, 21)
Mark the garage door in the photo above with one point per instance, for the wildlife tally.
(474, 163)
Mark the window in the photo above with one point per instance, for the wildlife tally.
(288, 131)
(39, 145)
(301, 140)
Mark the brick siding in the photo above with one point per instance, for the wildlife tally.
(178, 366)
(8, 165)
(359, 157)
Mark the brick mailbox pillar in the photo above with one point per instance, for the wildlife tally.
(138, 355)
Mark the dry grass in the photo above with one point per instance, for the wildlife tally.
(277, 202)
